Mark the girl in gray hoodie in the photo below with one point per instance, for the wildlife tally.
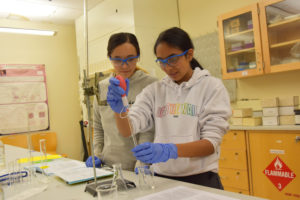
(109, 146)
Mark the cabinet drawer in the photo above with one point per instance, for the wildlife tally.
(236, 190)
(234, 140)
(233, 159)
(234, 178)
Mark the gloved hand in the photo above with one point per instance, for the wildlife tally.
(89, 162)
(155, 152)
(114, 95)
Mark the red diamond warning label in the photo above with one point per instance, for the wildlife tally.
(279, 173)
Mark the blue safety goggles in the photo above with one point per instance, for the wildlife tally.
(171, 61)
(119, 61)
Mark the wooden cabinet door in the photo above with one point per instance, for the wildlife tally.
(235, 178)
(234, 139)
(280, 32)
(265, 148)
(240, 44)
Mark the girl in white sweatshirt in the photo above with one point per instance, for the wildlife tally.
(188, 109)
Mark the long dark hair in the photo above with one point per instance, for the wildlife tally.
(121, 38)
(177, 38)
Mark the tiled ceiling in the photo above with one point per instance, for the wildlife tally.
(56, 11)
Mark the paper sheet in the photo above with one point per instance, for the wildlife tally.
(182, 192)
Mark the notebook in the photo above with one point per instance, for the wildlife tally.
(71, 171)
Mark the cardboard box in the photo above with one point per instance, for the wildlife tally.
(245, 112)
(252, 121)
(236, 121)
(270, 121)
(270, 102)
(271, 112)
(255, 104)
(235, 22)
(287, 120)
(288, 101)
(297, 119)
(287, 110)
(234, 30)
(257, 114)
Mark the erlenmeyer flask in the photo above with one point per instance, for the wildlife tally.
(118, 178)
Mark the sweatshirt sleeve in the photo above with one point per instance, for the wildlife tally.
(141, 112)
(98, 130)
(213, 119)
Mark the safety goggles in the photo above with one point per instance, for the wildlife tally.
(171, 61)
(118, 62)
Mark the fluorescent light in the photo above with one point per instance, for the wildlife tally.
(26, 8)
(27, 31)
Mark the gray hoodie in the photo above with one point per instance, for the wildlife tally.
(109, 145)
(194, 110)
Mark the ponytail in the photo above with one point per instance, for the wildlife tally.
(194, 63)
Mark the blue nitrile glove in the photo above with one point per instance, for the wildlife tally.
(155, 152)
(114, 95)
(136, 171)
(89, 162)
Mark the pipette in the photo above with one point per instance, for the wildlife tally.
(125, 103)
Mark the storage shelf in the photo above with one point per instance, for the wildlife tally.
(284, 22)
(239, 33)
(241, 51)
(283, 44)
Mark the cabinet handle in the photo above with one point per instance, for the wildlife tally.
(297, 139)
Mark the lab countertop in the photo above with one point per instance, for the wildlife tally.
(58, 189)
(266, 128)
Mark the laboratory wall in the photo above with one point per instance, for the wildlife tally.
(199, 17)
(150, 18)
(145, 18)
(58, 53)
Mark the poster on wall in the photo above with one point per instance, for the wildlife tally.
(23, 98)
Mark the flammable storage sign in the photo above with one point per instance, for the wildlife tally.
(279, 173)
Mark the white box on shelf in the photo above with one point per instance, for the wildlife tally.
(287, 110)
(270, 121)
(270, 112)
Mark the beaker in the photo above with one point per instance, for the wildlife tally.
(145, 178)
(44, 178)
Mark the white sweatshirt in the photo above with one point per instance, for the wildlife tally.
(194, 110)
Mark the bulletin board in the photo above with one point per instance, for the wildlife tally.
(23, 99)
(207, 52)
